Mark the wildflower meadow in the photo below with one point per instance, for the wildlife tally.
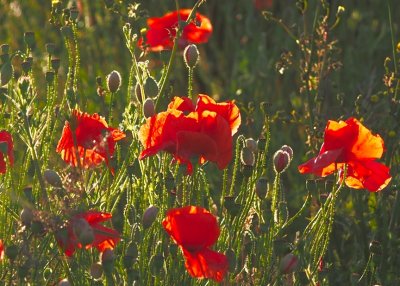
(199, 142)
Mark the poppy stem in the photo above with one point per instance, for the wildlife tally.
(190, 83)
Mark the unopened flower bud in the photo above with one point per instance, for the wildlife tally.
(4, 48)
(50, 47)
(288, 263)
(247, 156)
(261, 187)
(55, 64)
(149, 108)
(191, 56)
(96, 270)
(149, 216)
(26, 216)
(281, 161)
(52, 178)
(11, 251)
(107, 260)
(29, 38)
(113, 81)
(150, 87)
(73, 14)
(251, 144)
(156, 264)
(49, 77)
(289, 150)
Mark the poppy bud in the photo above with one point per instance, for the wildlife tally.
(49, 77)
(107, 260)
(231, 256)
(113, 81)
(149, 216)
(150, 87)
(251, 144)
(288, 263)
(6, 73)
(55, 64)
(149, 108)
(261, 187)
(191, 56)
(375, 247)
(26, 216)
(247, 156)
(4, 58)
(156, 264)
(289, 150)
(131, 255)
(11, 251)
(64, 282)
(96, 270)
(231, 206)
(73, 14)
(5, 48)
(50, 47)
(281, 161)
(52, 178)
(83, 231)
(138, 93)
(29, 38)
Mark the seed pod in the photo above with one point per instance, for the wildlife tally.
(288, 263)
(375, 247)
(49, 77)
(113, 81)
(96, 270)
(149, 216)
(73, 14)
(191, 56)
(55, 64)
(150, 87)
(52, 178)
(26, 67)
(149, 108)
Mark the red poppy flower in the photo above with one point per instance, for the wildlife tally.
(95, 141)
(102, 237)
(162, 31)
(349, 142)
(1, 250)
(6, 149)
(187, 131)
(195, 230)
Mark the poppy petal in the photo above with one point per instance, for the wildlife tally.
(206, 264)
(322, 165)
(192, 227)
(368, 174)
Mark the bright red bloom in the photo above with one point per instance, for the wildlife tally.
(349, 142)
(6, 146)
(1, 250)
(104, 237)
(186, 131)
(195, 230)
(162, 31)
(95, 141)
